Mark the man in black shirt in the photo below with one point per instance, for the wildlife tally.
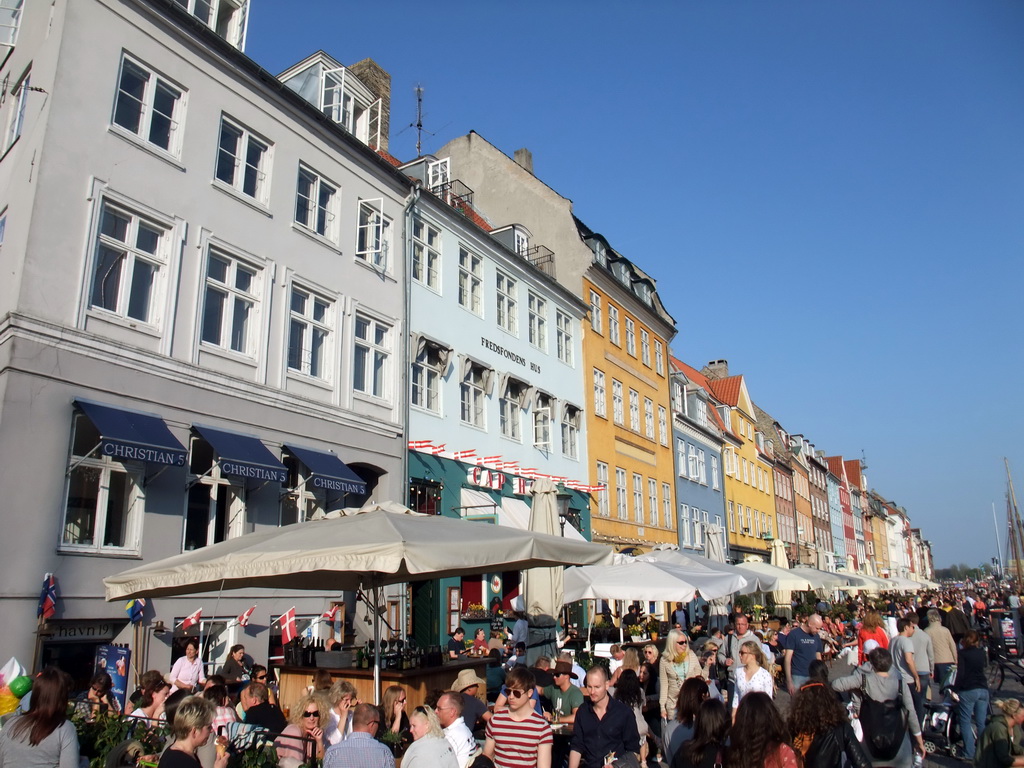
(456, 645)
(259, 711)
(604, 729)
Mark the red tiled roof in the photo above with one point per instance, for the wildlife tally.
(727, 390)
(835, 465)
(853, 472)
(692, 374)
(477, 219)
(389, 157)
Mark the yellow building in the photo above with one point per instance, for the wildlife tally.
(749, 491)
(625, 352)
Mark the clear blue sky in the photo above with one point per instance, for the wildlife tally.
(830, 195)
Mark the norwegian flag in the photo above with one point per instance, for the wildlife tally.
(287, 624)
(331, 612)
(192, 619)
(47, 597)
(437, 450)
(416, 445)
(464, 455)
(243, 619)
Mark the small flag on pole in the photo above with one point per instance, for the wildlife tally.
(287, 623)
(437, 450)
(331, 612)
(243, 619)
(464, 455)
(47, 597)
(135, 608)
(192, 619)
(415, 445)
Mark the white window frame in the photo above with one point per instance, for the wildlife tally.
(613, 325)
(681, 457)
(691, 462)
(134, 502)
(603, 496)
(471, 397)
(645, 347)
(471, 279)
(542, 422)
(313, 325)
(537, 308)
(732, 517)
(564, 337)
(702, 471)
(659, 358)
(234, 295)
(425, 381)
(631, 336)
(153, 83)
(600, 394)
(246, 177)
(375, 350)
(649, 417)
(662, 425)
(12, 10)
(131, 255)
(621, 505)
(634, 410)
(714, 473)
(373, 234)
(596, 320)
(16, 123)
(426, 254)
(321, 204)
(507, 302)
(214, 482)
(571, 417)
(510, 406)
(684, 524)
(666, 505)
(618, 416)
(652, 500)
(638, 498)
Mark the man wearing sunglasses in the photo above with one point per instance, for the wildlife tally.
(605, 729)
(517, 737)
(361, 749)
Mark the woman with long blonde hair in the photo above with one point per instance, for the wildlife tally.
(754, 675)
(678, 663)
(430, 748)
(308, 719)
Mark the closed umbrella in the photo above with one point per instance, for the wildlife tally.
(379, 544)
(781, 597)
(714, 549)
(542, 588)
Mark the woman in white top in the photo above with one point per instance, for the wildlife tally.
(431, 749)
(187, 671)
(754, 676)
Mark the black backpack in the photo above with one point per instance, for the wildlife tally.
(885, 724)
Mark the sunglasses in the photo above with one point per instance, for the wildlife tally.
(260, 678)
(311, 714)
(515, 693)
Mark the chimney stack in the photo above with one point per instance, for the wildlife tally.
(524, 159)
(718, 369)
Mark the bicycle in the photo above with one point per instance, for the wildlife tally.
(998, 666)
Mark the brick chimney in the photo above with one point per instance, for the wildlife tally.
(717, 369)
(378, 81)
(524, 159)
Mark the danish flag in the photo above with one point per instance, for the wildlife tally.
(464, 455)
(192, 619)
(331, 612)
(243, 619)
(437, 450)
(287, 623)
(416, 445)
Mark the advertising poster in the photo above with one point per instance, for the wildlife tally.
(115, 661)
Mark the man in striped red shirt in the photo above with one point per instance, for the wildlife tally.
(517, 737)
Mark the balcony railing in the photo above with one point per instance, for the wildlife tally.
(542, 257)
(455, 193)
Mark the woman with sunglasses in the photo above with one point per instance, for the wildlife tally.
(100, 698)
(753, 675)
(678, 663)
(430, 748)
(308, 719)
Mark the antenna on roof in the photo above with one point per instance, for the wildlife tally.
(419, 121)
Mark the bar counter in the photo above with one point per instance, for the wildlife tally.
(418, 683)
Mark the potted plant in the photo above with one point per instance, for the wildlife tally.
(653, 627)
(635, 631)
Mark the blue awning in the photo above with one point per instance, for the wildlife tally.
(329, 472)
(243, 455)
(133, 436)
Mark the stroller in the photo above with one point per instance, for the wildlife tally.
(941, 726)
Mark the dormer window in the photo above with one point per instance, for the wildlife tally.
(621, 271)
(600, 253)
(338, 93)
(228, 18)
(521, 242)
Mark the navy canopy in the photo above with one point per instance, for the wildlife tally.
(243, 455)
(133, 436)
(328, 471)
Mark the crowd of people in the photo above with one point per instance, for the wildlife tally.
(761, 694)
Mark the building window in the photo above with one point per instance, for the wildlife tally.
(471, 395)
(309, 333)
(510, 405)
(563, 336)
(373, 235)
(617, 404)
(225, 17)
(426, 254)
(372, 353)
(215, 509)
(542, 422)
(634, 410)
(427, 369)
(691, 463)
(130, 264)
(631, 336)
(714, 472)
(316, 201)
(20, 93)
(620, 494)
(600, 397)
(702, 471)
(602, 495)
(680, 457)
(638, 498)
(148, 106)
(596, 322)
(662, 425)
(649, 417)
(684, 523)
(231, 302)
(242, 160)
(652, 500)
(659, 358)
(746, 471)
(10, 18)
(538, 330)
(105, 498)
(702, 413)
(732, 518)
(570, 431)
(613, 325)
(507, 303)
(470, 281)
(666, 505)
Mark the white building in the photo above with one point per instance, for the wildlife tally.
(203, 310)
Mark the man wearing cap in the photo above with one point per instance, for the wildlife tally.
(473, 710)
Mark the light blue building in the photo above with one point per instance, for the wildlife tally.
(835, 515)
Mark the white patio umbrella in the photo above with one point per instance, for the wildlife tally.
(905, 585)
(542, 590)
(714, 549)
(764, 577)
(781, 597)
(379, 544)
(824, 579)
(645, 578)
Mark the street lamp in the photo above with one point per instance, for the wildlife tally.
(565, 513)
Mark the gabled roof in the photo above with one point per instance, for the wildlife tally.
(727, 390)
(692, 374)
(835, 466)
(853, 472)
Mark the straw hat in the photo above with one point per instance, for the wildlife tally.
(467, 678)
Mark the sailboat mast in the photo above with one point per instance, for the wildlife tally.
(1014, 525)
